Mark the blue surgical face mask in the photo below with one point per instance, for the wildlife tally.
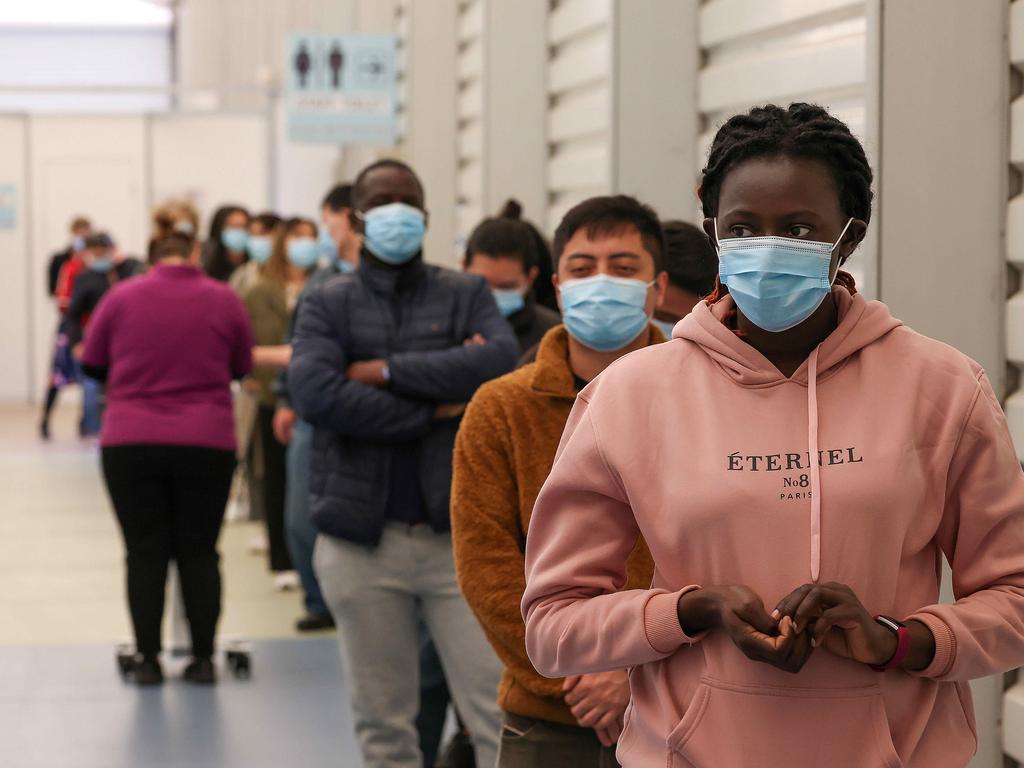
(102, 265)
(345, 267)
(605, 313)
(509, 301)
(78, 244)
(394, 233)
(777, 282)
(328, 245)
(664, 326)
(184, 226)
(303, 252)
(259, 248)
(234, 238)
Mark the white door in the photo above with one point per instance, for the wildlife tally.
(82, 166)
(25, 283)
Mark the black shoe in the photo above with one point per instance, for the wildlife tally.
(44, 430)
(147, 671)
(458, 754)
(314, 622)
(201, 671)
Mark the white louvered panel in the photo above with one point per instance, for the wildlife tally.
(470, 100)
(581, 62)
(471, 20)
(761, 51)
(579, 119)
(467, 216)
(469, 181)
(573, 18)
(471, 59)
(1013, 721)
(1015, 304)
(580, 113)
(471, 141)
(402, 32)
(729, 20)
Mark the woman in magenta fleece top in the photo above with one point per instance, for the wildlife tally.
(169, 345)
(798, 462)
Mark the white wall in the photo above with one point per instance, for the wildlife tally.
(78, 59)
(210, 159)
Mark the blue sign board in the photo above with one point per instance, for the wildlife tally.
(341, 89)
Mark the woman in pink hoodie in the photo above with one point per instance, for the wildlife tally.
(798, 462)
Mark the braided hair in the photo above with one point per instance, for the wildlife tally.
(803, 130)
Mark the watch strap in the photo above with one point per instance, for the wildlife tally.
(899, 629)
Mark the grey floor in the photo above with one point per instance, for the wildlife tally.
(65, 707)
(62, 609)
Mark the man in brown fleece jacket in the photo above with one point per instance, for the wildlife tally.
(608, 254)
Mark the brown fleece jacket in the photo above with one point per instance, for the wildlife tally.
(503, 454)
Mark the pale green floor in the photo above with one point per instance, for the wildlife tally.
(61, 558)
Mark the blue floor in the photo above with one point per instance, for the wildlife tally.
(66, 707)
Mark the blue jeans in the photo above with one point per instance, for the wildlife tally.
(300, 532)
(91, 409)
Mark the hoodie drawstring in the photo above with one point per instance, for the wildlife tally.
(812, 444)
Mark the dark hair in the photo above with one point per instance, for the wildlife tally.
(690, 258)
(338, 198)
(174, 244)
(504, 235)
(268, 220)
(99, 240)
(357, 187)
(802, 130)
(275, 269)
(606, 215)
(215, 255)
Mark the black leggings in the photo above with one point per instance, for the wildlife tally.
(170, 503)
(275, 469)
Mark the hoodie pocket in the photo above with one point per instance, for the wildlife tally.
(729, 724)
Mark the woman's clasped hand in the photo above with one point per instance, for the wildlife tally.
(828, 615)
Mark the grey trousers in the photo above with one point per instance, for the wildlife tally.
(529, 743)
(377, 598)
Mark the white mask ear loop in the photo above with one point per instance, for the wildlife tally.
(717, 245)
(832, 278)
(849, 221)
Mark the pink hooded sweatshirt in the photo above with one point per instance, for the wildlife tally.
(885, 450)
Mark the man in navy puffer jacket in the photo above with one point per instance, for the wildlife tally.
(384, 361)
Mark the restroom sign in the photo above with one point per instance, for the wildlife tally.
(341, 89)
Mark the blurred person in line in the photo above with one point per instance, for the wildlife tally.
(822, 460)
(105, 266)
(339, 245)
(503, 251)
(609, 256)
(172, 217)
(62, 270)
(168, 345)
(258, 247)
(224, 250)
(384, 361)
(80, 228)
(692, 266)
(270, 303)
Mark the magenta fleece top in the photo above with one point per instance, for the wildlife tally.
(172, 341)
(885, 451)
